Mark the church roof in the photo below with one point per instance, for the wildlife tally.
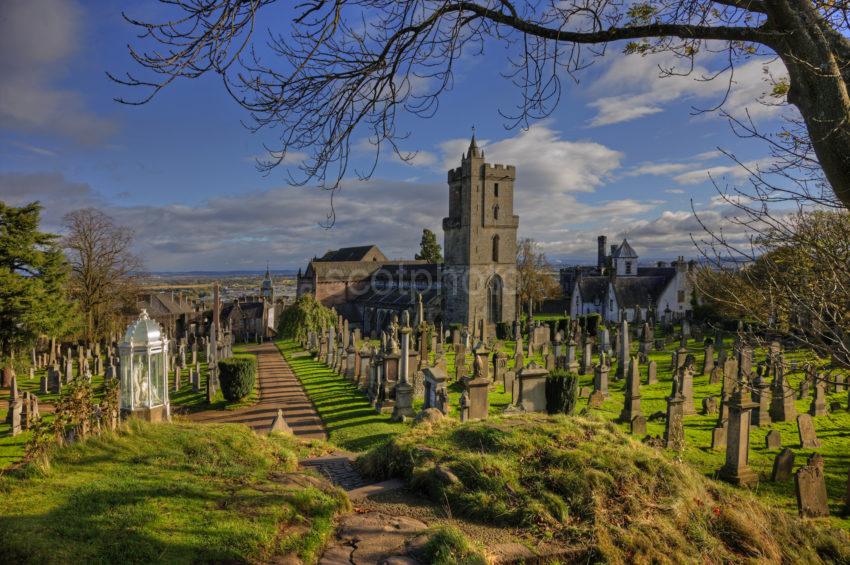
(327, 271)
(625, 251)
(358, 253)
(474, 151)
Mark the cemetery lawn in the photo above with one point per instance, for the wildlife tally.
(180, 493)
(833, 430)
(349, 419)
(581, 483)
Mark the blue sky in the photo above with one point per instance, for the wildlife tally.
(623, 153)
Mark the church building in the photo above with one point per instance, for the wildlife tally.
(476, 282)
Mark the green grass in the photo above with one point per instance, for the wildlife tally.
(349, 419)
(447, 545)
(183, 401)
(833, 430)
(179, 493)
(582, 483)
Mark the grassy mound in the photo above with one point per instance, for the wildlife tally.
(582, 482)
(168, 493)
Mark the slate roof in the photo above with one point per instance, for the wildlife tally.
(329, 271)
(668, 272)
(342, 270)
(639, 290)
(247, 309)
(351, 254)
(593, 289)
(625, 251)
(163, 304)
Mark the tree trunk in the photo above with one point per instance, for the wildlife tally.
(815, 57)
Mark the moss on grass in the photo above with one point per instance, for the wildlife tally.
(167, 493)
(583, 483)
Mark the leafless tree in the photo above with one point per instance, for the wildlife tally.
(355, 65)
(535, 281)
(103, 269)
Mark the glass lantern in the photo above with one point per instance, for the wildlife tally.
(144, 371)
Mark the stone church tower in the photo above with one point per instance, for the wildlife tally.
(479, 273)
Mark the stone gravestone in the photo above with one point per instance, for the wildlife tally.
(15, 409)
(709, 405)
(510, 377)
(596, 399)
(761, 396)
(674, 431)
(532, 388)
(586, 358)
(818, 405)
(708, 360)
(687, 383)
(715, 376)
(652, 373)
(639, 426)
(600, 377)
(631, 405)
(782, 407)
(806, 431)
(500, 366)
(403, 407)
(783, 466)
(549, 362)
(810, 486)
(54, 379)
(736, 470)
(435, 388)
(623, 350)
(773, 440)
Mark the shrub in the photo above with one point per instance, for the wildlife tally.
(237, 376)
(561, 392)
(505, 330)
(304, 315)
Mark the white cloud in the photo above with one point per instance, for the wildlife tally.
(241, 231)
(734, 171)
(632, 87)
(660, 169)
(674, 191)
(36, 38)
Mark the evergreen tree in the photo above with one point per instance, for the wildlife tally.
(429, 249)
(33, 275)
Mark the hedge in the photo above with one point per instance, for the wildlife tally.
(561, 392)
(237, 376)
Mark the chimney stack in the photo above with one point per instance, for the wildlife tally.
(602, 242)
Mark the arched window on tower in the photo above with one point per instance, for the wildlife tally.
(496, 248)
(496, 212)
(494, 300)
